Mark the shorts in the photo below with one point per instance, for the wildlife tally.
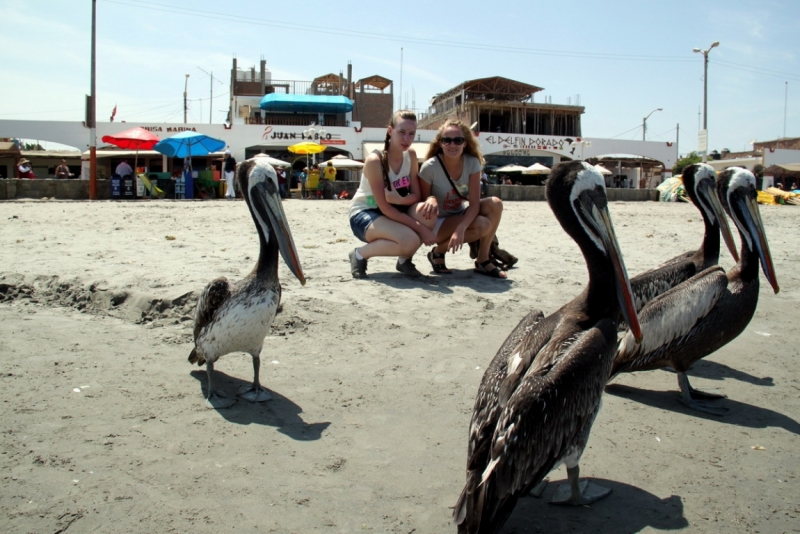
(361, 221)
(440, 221)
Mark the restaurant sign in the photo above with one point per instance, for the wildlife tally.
(169, 129)
(528, 142)
(277, 135)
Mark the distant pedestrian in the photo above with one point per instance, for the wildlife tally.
(24, 169)
(229, 170)
(303, 178)
(284, 192)
(62, 171)
(330, 172)
(124, 169)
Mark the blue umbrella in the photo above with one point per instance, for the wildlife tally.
(188, 144)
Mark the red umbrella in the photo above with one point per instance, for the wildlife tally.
(134, 139)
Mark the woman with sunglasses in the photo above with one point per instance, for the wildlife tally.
(389, 189)
(451, 183)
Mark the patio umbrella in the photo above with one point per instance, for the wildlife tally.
(602, 170)
(275, 162)
(537, 168)
(188, 144)
(511, 168)
(307, 147)
(134, 139)
(345, 163)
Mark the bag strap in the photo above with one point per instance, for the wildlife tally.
(452, 184)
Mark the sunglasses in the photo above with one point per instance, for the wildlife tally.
(458, 141)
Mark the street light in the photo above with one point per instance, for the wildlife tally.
(705, 90)
(185, 105)
(311, 133)
(581, 144)
(644, 121)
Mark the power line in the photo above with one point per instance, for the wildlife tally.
(141, 4)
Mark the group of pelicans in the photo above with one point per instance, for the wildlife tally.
(541, 393)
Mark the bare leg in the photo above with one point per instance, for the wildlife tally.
(256, 393)
(214, 399)
(492, 209)
(578, 492)
(686, 397)
(389, 238)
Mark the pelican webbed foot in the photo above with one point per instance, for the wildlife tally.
(688, 393)
(255, 393)
(578, 492)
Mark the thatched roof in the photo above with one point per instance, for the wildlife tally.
(493, 88)
(378, 82)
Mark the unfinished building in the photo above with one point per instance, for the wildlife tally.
(499, 104)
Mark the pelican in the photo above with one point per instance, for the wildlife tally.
(539, 396)
(704, 313)
(700, 185)
(237, 317)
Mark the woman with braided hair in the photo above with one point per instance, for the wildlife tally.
(388, 192)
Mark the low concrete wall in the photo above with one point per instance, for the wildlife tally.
(52, 188)
(79, 190)
(536, 192)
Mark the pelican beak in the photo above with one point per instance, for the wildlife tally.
(601, 220)
(709, 192)
(755, 228)
(268, 202)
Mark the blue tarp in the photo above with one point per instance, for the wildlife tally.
(306, 103)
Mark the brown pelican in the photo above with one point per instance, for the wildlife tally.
(697, 317)
(700, 185)
(236, 317)
(539, 396)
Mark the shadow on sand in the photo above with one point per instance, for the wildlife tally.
(741, 414)
(279, 412)
(443, 283)
(712, 370)
(627, 509)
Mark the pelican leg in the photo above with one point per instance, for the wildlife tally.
(686, 397)
(256, 393)
(578, 492)
(214, 399)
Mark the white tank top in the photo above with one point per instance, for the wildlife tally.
(400, 181)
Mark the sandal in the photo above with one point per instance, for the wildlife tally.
(438, 268)
(483, 268)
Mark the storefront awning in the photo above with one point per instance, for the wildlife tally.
(420, 148)
(306, 103)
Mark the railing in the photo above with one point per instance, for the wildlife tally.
(287, 87)
(293, 121)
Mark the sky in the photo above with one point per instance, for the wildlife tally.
(621, 60)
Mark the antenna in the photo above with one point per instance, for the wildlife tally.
(401, 78)
(211, 93)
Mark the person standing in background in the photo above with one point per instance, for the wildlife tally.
(124, 169)
(24, 169)
(62, 171)
(229, 168)
(330, 172)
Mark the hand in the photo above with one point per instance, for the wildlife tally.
(456, 241)
(430, 208)
(428, 237)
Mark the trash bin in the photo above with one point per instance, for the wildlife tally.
(188, 179)
(116, 187)
(128, 188)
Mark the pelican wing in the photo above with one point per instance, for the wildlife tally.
(670, 320)
(216, 292)
(546, 416)
(650, 284)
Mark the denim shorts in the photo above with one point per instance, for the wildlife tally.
(361, 221)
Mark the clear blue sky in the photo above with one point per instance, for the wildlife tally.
(624, 58)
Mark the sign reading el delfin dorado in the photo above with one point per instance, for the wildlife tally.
(520, 145)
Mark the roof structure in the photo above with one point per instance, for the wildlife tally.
(378, 82)
(493, 88)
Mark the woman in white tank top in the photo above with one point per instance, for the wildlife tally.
(389, 190)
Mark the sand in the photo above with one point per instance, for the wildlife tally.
(104, 428)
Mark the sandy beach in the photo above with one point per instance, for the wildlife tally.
(105, 427)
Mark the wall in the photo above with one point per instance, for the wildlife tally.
(60, 189)
(529, 192)
(373, 110)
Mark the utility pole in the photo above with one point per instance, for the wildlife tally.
(185, 104)
(92, 113)
(705, 92)
(211, 92)
(644, 122)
